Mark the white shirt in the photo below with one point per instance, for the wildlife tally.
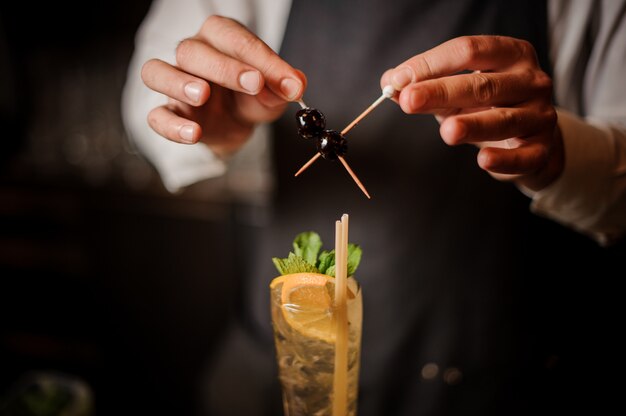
(590, 194)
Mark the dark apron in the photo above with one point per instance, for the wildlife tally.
(469, 308)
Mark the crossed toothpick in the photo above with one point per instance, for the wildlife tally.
(388, 92)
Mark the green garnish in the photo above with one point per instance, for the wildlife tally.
(307, 258)
(307, 245)
(293, 264)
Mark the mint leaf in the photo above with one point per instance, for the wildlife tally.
(354, 258)
(293, 264)
(326, 263)
(327, 259)
(307, 245)
(307, 256)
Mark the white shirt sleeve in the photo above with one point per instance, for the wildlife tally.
(590, 194)
(167, 23)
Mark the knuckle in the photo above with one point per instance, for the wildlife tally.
(543, 82)
(541, 158)
(468, 47)
(551, 116)
(212, 22)
(270, 66)
(523, 46)
(147, 70)
(526, 51)
(415, 101)
(214, 19)
(424, 67)
(510, 119)
(439, 94)
(219, 70)
(245, 44)
(184, 50)
(153, 119)
(430, 95)
(484, 88)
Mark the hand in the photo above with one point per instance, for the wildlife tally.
(224, 82)
(504, 106)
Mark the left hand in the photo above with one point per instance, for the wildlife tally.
(504, 106)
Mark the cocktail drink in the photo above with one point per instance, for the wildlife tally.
(304, 323)
(317, 314)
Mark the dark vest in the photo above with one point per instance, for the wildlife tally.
(456, 272)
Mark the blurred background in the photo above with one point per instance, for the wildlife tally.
(107, 280)
(104, 289)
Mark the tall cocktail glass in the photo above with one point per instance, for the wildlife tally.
(303, 317)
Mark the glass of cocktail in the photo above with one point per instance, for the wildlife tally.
(317, 321)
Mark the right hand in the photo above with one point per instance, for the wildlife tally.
(224, 82)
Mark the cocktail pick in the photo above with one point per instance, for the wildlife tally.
(353, 176)
(388, 92)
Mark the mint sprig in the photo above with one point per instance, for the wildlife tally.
(293, 264)
(307, 245)
(307, 258)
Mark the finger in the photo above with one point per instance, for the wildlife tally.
(198, 58)
(264, 107)
(385, 80)
(173, 127)
(474, 90)
(523, 160)
(233, 39)
(166, 79)
(495, 124)
(485, 53)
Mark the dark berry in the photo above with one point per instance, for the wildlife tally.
(311, 122)
(331, 144)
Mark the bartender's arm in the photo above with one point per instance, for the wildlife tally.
(573, 166)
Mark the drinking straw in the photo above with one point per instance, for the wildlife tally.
(340, 376)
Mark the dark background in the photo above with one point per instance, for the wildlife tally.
(105, 277)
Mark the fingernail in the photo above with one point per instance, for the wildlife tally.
(193, 90)
(453, 132)
(484, 161)
(250, 81)
(290, 87)
(402, 77)
(186, 133)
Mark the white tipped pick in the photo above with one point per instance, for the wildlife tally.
(389, 91)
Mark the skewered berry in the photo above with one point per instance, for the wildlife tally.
(331, 144)
(311, 122)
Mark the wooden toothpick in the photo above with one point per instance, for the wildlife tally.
(388, 92)
(307, 164)
(354, 177)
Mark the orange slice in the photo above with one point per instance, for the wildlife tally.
(307, 304)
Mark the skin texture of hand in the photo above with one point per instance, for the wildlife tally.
(224, 82)
(504, 106)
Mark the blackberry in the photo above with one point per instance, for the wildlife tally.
(311, 122)
(331, 144)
